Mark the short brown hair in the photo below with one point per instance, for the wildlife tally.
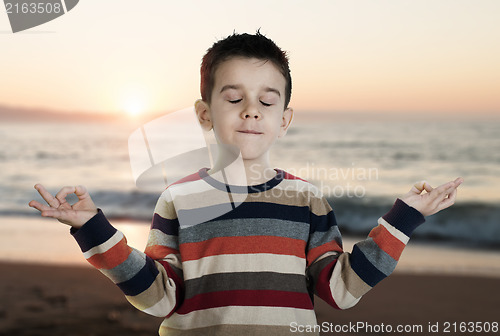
(243, 45)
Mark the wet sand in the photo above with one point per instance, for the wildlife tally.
(47, 288)
(77, 300)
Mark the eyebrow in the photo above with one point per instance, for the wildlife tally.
(237, 87)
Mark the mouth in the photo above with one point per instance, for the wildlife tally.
(249, 132)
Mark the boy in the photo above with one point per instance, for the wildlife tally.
(244, 259)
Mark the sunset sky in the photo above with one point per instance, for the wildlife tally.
(370, 56)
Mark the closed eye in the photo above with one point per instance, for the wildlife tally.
(235, 101)
(265, 104)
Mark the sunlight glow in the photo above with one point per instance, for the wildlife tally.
(134, 106)
(134, 99)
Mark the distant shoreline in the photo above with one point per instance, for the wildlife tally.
(38, 114)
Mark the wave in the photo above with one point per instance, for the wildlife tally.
(464, 224)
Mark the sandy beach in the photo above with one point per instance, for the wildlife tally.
(66, 296)
(77, 300)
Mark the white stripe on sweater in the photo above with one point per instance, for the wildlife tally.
(115, 239)
(393, 231)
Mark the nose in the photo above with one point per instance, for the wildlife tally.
(251, 111)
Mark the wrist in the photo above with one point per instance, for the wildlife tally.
(411, 204)
(89, 215)
(94, 232)
(404, 217)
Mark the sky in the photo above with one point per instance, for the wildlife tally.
(116, 56)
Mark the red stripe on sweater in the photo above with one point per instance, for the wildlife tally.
(243, 245)
(179, 285)
(387, 242)
(314, 253)
(189, 178)
(289, 176)
(323, 285)
(112, 257)
(255, 298)
(159, 251)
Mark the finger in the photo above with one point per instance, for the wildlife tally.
(441, 193)
(53, 213)
(452, 196)
(449, 186)
(51, 200)
(428, 187)
(68, 217)
(458, 181)
(437, 195)
(418, 187)
(81, 192)
(444, 188)
(39, 206)
(65, 191)
(449, 201)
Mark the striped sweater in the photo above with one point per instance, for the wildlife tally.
(247, 261)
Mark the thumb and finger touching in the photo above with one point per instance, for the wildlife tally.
(72, 214)
(429, 200)
(427, 187)
(420, 187)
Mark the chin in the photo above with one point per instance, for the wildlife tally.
(251, 157)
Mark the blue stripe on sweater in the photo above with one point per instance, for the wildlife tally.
(322, 223)
(94, 232)
(142, 280)
(258, 210)
(364, 268)
(404, 217)
(167, 226)
(376, 256)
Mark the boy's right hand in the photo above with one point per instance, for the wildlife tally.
(75, 214)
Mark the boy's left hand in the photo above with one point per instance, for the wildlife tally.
(435, 199)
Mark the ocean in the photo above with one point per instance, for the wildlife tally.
(362, 166)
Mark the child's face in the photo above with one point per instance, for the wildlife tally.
(247, 106)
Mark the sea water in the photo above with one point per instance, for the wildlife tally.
(361, 166)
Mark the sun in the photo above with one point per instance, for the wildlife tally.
(134, 100)
(134, 106)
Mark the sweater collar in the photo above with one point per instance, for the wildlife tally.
(240, 189)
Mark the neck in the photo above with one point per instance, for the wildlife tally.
(257, 171)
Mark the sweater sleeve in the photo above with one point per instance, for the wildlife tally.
(150, 280)
(342, 278)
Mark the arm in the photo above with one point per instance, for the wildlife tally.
(151, 281)
(341, 278)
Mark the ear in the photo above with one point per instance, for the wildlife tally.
(203, 114)
(286, 120)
